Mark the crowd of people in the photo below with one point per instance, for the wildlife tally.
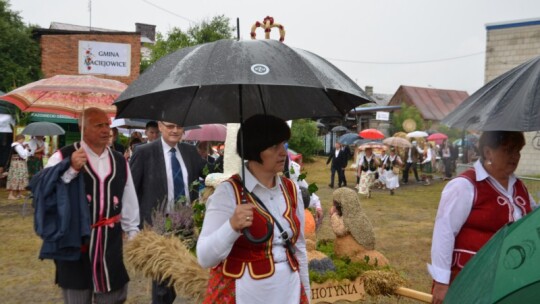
(252, 236)
(381, 165)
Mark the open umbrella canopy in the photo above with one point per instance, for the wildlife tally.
(67, 95)
(339, 129)
(127, 123)
(397, 142)
(371, 134)
(43, 128)
(372, 145)
(505, 270)
(228, 81)
(438, 138)
(510, 102)
(209, 132)
(348, 139)
(416, 134)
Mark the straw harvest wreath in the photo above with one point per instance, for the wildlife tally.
(267, 25)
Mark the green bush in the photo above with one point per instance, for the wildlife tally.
(304, 138)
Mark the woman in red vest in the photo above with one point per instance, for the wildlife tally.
(475, 205)
(272, 270)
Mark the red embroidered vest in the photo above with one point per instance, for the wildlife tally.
(258, 257)
(490, 211)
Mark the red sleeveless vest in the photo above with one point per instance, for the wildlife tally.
(490, 211)
(258, 257)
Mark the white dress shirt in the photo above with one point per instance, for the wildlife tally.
(168, 170)
(101, 165)
(217, 239)
(454, 209)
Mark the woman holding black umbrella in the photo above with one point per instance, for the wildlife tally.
(475, 205)
(273, 271)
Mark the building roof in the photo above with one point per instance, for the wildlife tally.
(381, 99)
(73, 27)
(514, 23)
(433, 104)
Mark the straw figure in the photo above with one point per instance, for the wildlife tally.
(354, 234)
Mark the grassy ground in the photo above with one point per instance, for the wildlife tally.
(403, 225)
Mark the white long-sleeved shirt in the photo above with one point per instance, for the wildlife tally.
(100, 163)
(429, 155)
(454, 209)
(23, 153)
(34, 144)
(217, 239)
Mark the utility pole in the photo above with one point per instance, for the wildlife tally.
(90, 11)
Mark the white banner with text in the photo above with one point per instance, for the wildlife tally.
(104, 58)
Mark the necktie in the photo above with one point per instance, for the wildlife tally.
(178, 179)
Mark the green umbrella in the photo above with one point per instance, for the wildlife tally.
(505, 270)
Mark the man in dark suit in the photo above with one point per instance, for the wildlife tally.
(338, 157)
(412, 157)
(152, 166)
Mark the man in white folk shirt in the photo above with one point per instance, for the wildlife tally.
(99, 275)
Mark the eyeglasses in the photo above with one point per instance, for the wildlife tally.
(171, 127)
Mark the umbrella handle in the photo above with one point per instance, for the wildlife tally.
(251, 238)
(247, 233)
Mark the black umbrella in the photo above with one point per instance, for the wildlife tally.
(339, 129)
(43, 128)
(510, 102)
(227, 81)
(348, 139)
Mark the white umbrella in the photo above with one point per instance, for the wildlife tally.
(417, 134)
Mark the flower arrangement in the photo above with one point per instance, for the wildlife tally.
(175, 221)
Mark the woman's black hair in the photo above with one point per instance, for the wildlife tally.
(261, 132)
(495, 139)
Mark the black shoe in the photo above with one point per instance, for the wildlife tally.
(392, 192)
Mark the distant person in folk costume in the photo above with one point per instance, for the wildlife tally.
(391, 167)
(37, 152)
(17, 179)
(367, 167)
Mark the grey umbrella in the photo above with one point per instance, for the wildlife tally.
(226, 81)
(43, 128)
(510, 102)
(348, 139)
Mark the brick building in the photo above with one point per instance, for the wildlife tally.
(76, 50)
(508, 45)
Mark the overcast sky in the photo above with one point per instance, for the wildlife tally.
(381, 43)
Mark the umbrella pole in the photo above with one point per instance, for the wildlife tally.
(245, 231)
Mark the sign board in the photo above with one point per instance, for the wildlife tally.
(379, 115)
(104, 58)
(332, 291)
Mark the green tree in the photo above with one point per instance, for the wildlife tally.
(207, 31)
(404, 113)
(19, 54)
(304, 138)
